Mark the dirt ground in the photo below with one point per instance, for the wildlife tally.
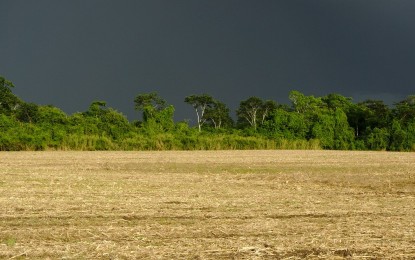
(207, 205)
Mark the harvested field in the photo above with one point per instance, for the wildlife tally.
(207, 205)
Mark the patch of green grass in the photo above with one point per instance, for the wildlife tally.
(10, 241)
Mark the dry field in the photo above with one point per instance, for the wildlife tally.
(207, 205)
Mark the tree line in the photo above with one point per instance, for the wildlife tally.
(329, 122)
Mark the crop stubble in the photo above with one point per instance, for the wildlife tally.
(207, 205)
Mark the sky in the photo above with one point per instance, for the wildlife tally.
(69, 53)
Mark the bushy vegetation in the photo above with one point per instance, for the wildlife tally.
(329, 122)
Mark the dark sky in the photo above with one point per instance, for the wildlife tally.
(71, 52)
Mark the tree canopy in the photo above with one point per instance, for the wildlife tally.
(200, 104)
(328, 122)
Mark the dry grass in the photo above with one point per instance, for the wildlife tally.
(207, 205)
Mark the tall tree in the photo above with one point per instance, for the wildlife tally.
(52, 115)
(27, 112)
(149, 103)
(397, 136)
(287, 125)
(160, 121)
(405, 109)
(106, 120)
(323, 129)
(200, 103)
(356, 118)
(335, 101)
(218, 115)
(149, 99)
(377, 113)
(248, 111)
(96, 109)
(267, 107)
(255, 111)
(305, 104)
(8, 101)
(368, 115)
(343, 133)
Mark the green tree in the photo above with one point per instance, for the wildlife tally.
(397, 136)
(368, 115)
(54, 123)
(343, 133)
(405, 109)
(27, 112)
(286, 125)
(218, 115)
(8, 101)
(149, 99)
(157, 115)
(254, 111)
(266, 109)
(376, 113)
(96, 109)
(108, 121)
(160, 121)
(200, 104)
(51, 115)
(410, 135)
(323, 129)
(146, 100)
(335, 101)
(248, 111)
(332, 129)
(8, 127)
(305, 104)
(378, 139)
(83, 124)
(356, 118)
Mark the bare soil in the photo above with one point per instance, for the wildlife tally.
(207, 205)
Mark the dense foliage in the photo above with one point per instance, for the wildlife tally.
(329, 122)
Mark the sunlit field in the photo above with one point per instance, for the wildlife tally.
(207, 205)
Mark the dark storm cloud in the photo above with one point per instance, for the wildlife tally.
(69, 53)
